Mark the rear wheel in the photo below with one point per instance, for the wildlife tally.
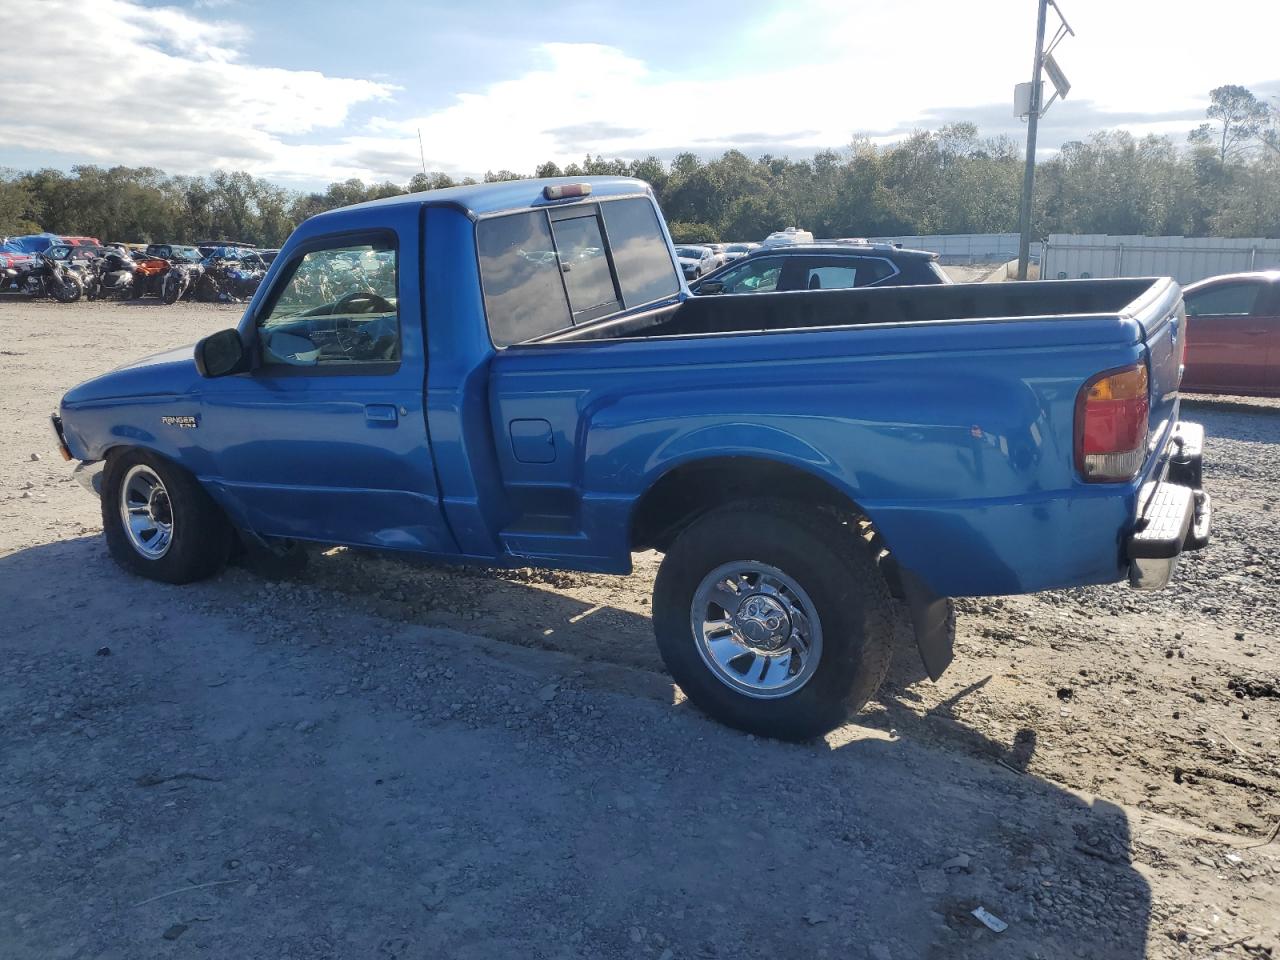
(773, 617)
(159, 522)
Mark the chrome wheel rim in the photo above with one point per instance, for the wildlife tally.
(146, 512)
(756, 629)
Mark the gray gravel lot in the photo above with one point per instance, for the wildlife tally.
(388, 760)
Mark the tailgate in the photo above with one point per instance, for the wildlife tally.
(1164, 324)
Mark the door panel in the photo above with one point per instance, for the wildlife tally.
(341, 459)
(326, 438)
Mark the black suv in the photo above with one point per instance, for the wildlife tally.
(824, 265)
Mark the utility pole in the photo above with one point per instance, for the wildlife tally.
(1033, 118)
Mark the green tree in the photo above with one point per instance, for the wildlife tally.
(1240, 118)
(18, 207)
(684, 231)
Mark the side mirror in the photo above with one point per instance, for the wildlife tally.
(220, 354)
(710, 286)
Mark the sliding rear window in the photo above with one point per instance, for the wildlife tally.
(547, 270)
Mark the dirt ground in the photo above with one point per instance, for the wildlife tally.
(392, 760)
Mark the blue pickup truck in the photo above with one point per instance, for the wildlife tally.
(516, 374)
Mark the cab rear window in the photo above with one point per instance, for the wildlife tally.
(546, 270)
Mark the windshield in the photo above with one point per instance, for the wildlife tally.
(692, 253)
(738, 247)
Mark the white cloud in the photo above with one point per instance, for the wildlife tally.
(811, 75)
(169, 88)
(157, 86)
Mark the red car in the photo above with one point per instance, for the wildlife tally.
(1233, 335)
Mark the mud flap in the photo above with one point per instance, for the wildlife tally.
(933, 618)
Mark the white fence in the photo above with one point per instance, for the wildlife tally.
(965, 247)
(1186, 259)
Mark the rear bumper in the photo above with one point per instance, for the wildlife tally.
(1176, 513)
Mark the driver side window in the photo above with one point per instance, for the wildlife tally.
(338, 307)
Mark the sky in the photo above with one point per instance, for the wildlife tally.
(304, 92)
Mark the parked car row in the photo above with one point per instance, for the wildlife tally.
(698, 259)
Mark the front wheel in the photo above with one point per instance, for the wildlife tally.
(170, 291)
(69, 291)
(774, 617)
(159, 522)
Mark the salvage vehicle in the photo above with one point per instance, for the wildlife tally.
(14, 264)
(149, 270)
(48, 274)
(114, 277)
(696, 260)
(154, 266)
(180, 281)
(1233, 335)
(733, 251)
(801, 459)
(825, 265)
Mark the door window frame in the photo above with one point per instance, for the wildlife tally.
(1260, 298)
(284, 276)
(577, 212)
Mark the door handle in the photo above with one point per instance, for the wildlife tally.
(381, 414)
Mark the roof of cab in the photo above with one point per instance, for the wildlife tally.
(478, 199)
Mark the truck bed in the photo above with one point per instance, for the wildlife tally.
(757, 313)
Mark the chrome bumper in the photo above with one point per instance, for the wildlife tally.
(89, 476)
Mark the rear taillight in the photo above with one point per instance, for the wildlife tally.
(1112, 411)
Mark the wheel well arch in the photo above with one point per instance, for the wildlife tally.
(687, 491)
(224, 502)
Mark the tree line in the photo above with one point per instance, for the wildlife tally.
(1223, 181)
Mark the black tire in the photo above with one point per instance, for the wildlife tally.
(202, 537)
(169, 292)
(69, 292)
(828, 558)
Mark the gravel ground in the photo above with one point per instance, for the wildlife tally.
(381, 759)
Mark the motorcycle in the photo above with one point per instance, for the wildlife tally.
(227, 280)
(148, 275)
(180, 281)
(48, 277)
(113, 277)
